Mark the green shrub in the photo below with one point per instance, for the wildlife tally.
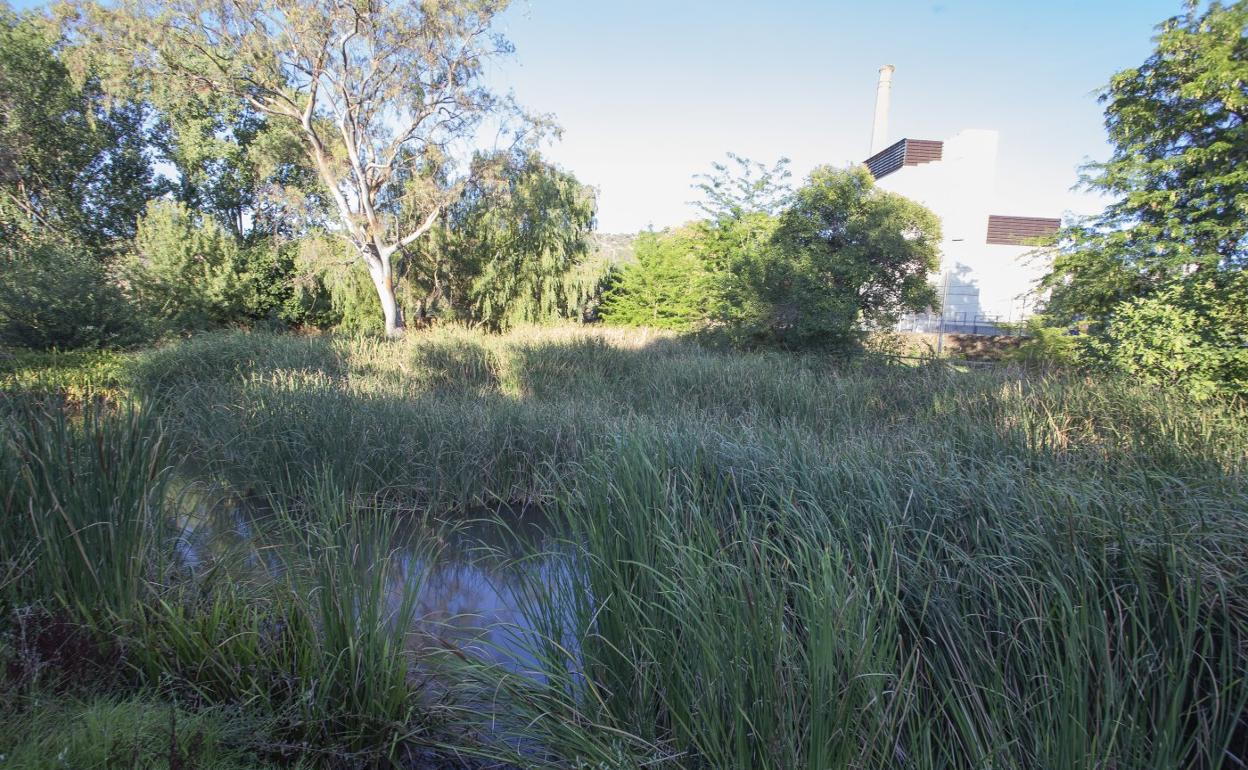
(1049, 345)
(58, 296)
(1193, 336)
(187, 270)
(56, 733)
(669, 286)
(846, 256)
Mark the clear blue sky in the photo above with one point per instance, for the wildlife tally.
(651, 92)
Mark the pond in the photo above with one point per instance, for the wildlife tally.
(469, 575)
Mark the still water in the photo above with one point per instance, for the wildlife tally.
(470, 577)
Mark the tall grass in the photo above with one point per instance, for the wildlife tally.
(712, 618)
(81, 506)
(323, 647)
(756, 560)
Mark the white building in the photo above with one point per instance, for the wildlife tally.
(988, 270)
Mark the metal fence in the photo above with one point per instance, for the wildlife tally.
(956, 322)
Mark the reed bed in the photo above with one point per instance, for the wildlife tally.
(753, 560)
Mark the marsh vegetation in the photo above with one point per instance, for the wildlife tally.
(690, 558)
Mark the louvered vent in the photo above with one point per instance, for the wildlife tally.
(1020, 231)
(907, 152)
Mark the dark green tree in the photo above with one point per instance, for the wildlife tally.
(1177, 231)
(844, 257)
(73, 167)
(668, 285)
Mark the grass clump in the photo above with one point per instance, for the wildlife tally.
(321, 640)
(104, 732)
(81, 508)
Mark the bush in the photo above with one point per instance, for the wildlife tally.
(187, 271)
(1048, 345)
(668, 286)
(58, 296)
(1190, 335)
(846, 256)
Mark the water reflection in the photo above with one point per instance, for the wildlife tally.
(471, 575)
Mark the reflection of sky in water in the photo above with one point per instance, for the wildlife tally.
(469, 598)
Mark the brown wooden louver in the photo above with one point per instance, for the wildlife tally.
(1020, 231)
(907, 152)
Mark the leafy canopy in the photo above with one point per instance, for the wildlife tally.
(1157, 274)
(837, 257)
(72, 167)
(1178, 173)
(381, 94)
(846, 256)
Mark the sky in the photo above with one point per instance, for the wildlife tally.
(651, 92)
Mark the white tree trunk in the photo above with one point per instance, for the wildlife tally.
(383, 280)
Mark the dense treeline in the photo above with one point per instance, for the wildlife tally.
(144, 192)
(818, 267)
(131, 208)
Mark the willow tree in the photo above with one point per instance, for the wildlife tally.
(379, 91)
(513, 241)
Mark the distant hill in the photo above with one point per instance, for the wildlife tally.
(611, 248)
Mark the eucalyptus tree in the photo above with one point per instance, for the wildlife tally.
(381, 93)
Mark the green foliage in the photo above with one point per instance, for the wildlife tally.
(513, 241)
(1153, 277)
(1194, 335)
(70, 166)
(843, 258)
(187, 270)
(76, 373)
(745, 187)
(667, 286)
(246, 170)
(57, 295)
(848, 257)
(379, 103)
(331, 289)
(1049, 345)
(51, 733)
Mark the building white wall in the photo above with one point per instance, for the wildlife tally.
(979, 279)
